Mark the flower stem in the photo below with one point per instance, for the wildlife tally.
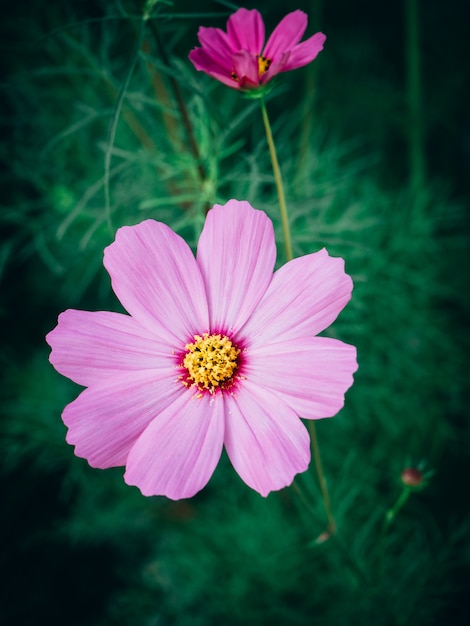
(392, 513)
(278, 179)
(388, 520)
(355, 568)
(331, 528)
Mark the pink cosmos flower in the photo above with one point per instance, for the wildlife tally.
(217, 350)
(239, 59)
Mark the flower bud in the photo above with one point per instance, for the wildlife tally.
(412, 477)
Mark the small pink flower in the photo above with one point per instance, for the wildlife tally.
(238, 59)
(217, 350)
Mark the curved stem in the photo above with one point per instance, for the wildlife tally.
(278, 179)
(331, 529)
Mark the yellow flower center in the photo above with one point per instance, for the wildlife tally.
(263, 65)
(211, 361)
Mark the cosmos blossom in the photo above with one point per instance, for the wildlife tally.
(238, 58)
(216, 351)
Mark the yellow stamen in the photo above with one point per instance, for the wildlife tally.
(211, 361)
(263, 65)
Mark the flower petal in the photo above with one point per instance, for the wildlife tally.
(217, 45)
(245, 67)
(178, 452)
(236, 255)
(215, 41)
(310, 374)
(276, 67)
(156, 278)
(305, 296)
(265, 440)
(89, 347)
(305, 52)
(245, 31)
(105, 420)
(203, 62)
(286, 35)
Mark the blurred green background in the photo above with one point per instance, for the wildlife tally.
(374, 145)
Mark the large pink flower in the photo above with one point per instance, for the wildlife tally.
(238, 57)
(217, 350)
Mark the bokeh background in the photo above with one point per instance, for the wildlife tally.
(374, 145)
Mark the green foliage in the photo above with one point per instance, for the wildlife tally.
(180, 143)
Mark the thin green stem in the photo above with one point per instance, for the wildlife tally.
(278, 179)
(321, 478)
(390, 516)
(331, 529)
(355, 568)
(392, 513)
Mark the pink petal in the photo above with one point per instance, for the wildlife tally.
(304, 297)
(246, 31)
(203, 62)
(89, 347)
(217, 45)
(216, 41)
(245, 67)
(310, 374)
(236, 255)
(305, 52)
(105, 420)
(156, 278)
(276, 67)
(178, 452)
(286, 35)
(265, 440)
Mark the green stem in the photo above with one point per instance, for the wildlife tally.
(321, 478)
(278, 179)
(331, 529)
(392, 513)
(355, 568)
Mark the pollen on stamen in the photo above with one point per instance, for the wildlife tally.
(263, 65)
(211, 363)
